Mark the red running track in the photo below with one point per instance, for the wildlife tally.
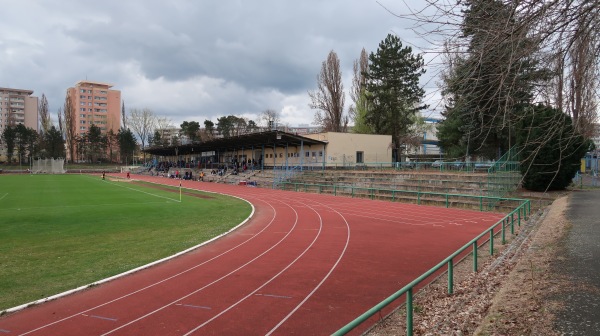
(305, 264)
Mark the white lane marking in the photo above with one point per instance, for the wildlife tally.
(333, 267)
(207, 285)
(268, 281)
(0, 200)
(275, 296)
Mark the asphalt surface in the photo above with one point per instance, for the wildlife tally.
(581, 312)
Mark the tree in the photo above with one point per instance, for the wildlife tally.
(96, 143)
(551, 149)
(142, 122)
(394, 92)
(9, 137)
(226, 125)
(271, 118)
(329, 97)
(490, 83)
(123, 117)
(190, 129)
(25, 139)
(358, 94)
(563, 36)
(111, 144)
(44, 116)
(209, 128)
(53, 143)
(162, 126)
(127, 144)
(68, 117)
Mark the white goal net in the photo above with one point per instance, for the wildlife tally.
(49, 166)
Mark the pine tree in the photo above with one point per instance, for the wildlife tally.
(394, 93)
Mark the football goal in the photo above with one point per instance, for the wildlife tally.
(49, 166)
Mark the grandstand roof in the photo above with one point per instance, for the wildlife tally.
(268, 139)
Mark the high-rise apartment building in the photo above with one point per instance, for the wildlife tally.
(18, 107)
(94, 103)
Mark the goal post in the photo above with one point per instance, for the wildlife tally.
(48, 166)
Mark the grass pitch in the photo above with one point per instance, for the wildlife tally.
(58, 232)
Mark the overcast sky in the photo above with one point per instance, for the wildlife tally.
(192, 59)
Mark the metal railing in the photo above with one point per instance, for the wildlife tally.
(481, 202)
(522, 211)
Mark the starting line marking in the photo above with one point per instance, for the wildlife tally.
(101, 317)
(192, 306)
(4, 330)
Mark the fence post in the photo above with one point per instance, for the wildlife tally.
(480, 202)
(503, 230)
(475, 256)
(519, 222)
(409, 312)
(446, 200)
(450, 277)
(512, 222)
(492, 241)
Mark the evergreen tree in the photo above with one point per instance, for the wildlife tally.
(394, 94)
(190, 129)
(9, 137)
(53, 143)
(489, 85)
(551, 149)
(127, 144)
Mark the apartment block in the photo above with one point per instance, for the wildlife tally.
(18, 106)
(95, 103)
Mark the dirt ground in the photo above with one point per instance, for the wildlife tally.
(513, 293)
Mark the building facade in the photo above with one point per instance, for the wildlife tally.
(17, 106)
(95, 103)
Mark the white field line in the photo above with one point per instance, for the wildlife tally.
(3, 196)
(143, 192)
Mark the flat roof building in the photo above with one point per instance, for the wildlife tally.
(95, 103)
(17, 106)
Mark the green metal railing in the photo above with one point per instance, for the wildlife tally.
(481, 202)
(504, 175)
(522, 211)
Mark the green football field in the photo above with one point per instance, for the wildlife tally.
(58, 232)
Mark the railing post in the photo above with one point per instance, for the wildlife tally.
(450, 277)
(446, 200)
(418, 197)
(393, 195)
(409, 312)
(334, 190)
(519, 222)
(503, 230)
(512, 223)
(492, 241)
(475, 256)
(480, 202)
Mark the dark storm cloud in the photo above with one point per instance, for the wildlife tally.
(189, 60)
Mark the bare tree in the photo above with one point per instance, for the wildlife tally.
(142, 122)
(44, 115)
(271, 118)
(123, 117)
(69, 125)
(162, 125)
(329, 96)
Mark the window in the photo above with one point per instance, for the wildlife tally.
(314, 154)
(307, 154)
(82, 103)
(82, 128)
(82, 90)
(359, 157)
(82, 97)
(82, 110)
(82, 115)
(82, 121)
(320, 153)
